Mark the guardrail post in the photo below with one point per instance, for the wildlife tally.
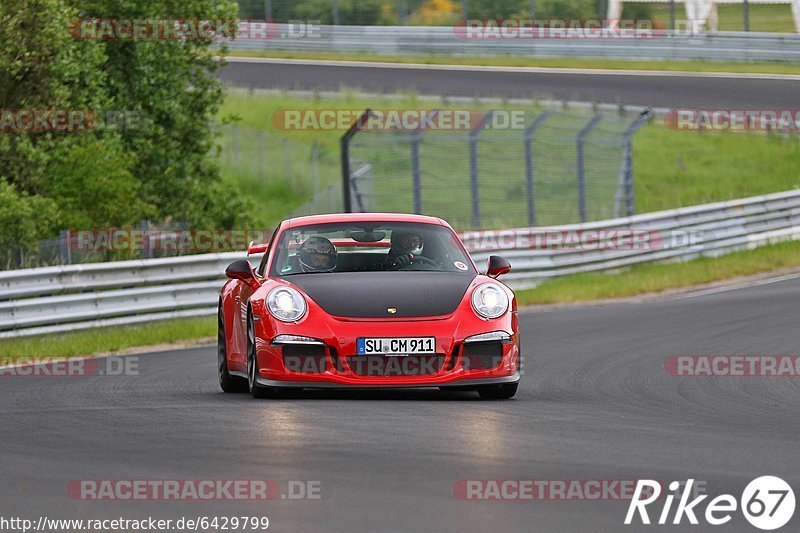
(581, 164)
(344, 145)
(530, 183)
(474, 135)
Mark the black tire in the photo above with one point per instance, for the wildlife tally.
(502, 391)
(227, 382)
(258, 391)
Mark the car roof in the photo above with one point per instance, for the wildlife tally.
(361, 217)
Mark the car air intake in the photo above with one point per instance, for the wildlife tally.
(482, 355)
(304, 358)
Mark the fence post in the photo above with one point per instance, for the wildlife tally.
(262, 149)
(581, 164)
(746, 13)
(66, 247)
(344, 148)
(474, 135)
(672, 15)
(630, 198)
(529, 180)
(416, 174)
(235, 145)
(287, 161)
(416, 179)
(147, 242)
(315, 167)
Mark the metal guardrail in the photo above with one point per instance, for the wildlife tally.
(399, 40)
(58, 299)
(65, 298)
(719, 228)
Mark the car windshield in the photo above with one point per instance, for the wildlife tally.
(368, 247)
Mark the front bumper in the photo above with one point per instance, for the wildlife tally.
(466, 382)
(334, 363)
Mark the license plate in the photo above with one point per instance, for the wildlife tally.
(396, 345)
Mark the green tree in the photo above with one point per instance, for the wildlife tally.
(171, 84)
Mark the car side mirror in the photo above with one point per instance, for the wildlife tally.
(497, 266)
(241, 270)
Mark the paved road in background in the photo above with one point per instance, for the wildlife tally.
(596, 403)
(647, 90)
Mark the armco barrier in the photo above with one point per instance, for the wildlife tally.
(398, 40)
(57, 299)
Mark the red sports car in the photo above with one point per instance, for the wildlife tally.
(367, 301)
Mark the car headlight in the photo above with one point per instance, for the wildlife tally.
(286, 304)
(489, 300)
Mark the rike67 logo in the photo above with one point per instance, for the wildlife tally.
(767, 503)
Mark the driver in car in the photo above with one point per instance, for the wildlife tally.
(317, 254)
(406, 246)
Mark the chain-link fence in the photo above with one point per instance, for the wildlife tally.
(555, 168)
(263, 165)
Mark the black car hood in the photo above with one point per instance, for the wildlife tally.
(371, 294)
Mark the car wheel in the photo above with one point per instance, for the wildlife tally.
(503, 391)
(258, 391)
(227, 382)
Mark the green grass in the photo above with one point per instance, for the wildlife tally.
(657, 277)
(544, 62)
(682, 168)
(105, 340)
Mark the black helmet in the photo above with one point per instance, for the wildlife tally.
(407, 242)
(317, 254)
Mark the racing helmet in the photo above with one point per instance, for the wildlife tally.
(407, 242)
(317, 254)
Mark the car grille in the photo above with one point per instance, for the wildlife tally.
(392, 366)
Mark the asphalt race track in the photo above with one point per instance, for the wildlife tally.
(653, 89)
(596, 403)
